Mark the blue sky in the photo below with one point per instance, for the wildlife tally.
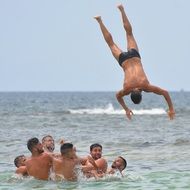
(56, 45)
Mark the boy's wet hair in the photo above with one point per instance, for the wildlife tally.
(124, 162)
(136, 97)
(94, 146)
(17, 159)
(65, 147)
(44, 138)
(32, 142)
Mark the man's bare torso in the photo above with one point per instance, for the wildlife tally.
(39, 166)
(135, 76)
(65, 168)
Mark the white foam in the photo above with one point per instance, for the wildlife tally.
(153, 111)
(109, 110)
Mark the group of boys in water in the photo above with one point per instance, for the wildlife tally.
(44, 164)
(43, 160)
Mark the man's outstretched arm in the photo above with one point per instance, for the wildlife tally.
(159, 91)
(119, 96)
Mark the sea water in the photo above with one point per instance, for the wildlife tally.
(156, 149)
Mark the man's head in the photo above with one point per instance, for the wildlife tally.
(35, 146)
(119, 163)
(96, 151)
(48, 143)
(136, 96)
(68, 150)
(20, 161)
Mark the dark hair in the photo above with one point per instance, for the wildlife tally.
(136, 97)
(31, 143)
(65, 147)
(95, 145)
(17, 159)
(124, 162)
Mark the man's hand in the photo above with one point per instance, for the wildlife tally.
(91, 160)
(129, 113)
(171, 114)
(119, 96)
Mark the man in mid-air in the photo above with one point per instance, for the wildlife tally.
(135, 80)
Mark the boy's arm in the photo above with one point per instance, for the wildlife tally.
(22, 170)
(160, 91)
(91, 165)
(119, 97)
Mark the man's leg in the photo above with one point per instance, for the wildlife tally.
(108, 38)
(131, 43)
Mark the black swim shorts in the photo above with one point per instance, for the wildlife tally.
(127, 55)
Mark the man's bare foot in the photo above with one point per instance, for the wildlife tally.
(98, 18)
(120, 7)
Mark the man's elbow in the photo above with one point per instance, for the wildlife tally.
(118, 96)
(165, 93)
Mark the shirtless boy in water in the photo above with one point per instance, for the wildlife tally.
(19, 162)
(48, 144)
(135, 80)
(95, 163)
(119, 164)
(65, 167)
(40, 163)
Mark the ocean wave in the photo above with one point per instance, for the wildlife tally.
(180, 142)
(110, 110)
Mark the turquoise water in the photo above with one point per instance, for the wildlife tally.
(156, 149)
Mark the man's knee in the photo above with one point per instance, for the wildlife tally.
(115, 51)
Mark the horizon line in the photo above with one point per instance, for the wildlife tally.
(13, 91)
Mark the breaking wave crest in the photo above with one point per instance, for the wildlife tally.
(110, 110)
